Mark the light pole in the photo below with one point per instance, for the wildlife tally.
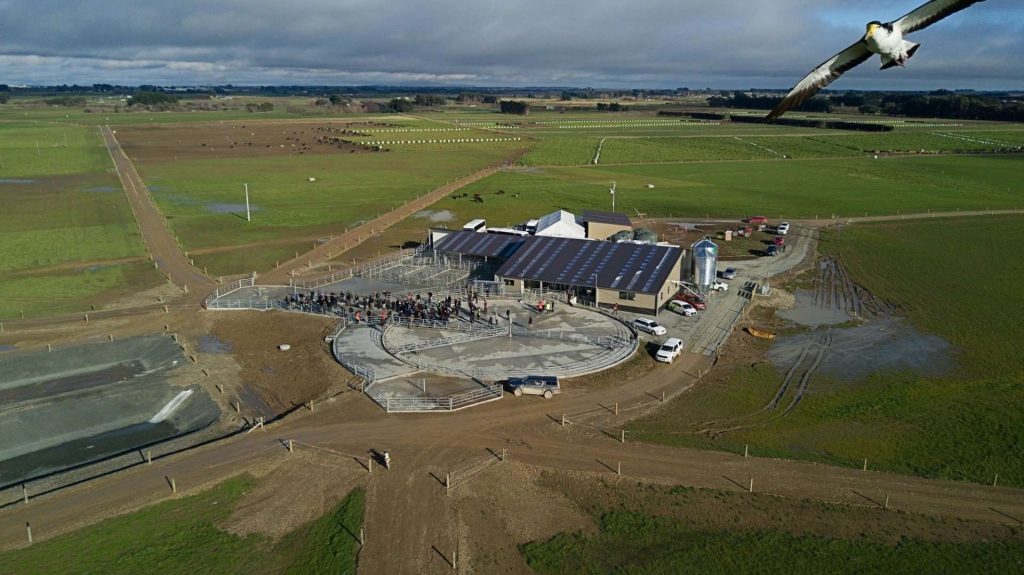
(596, 302)
(612, 190)
(248, 217)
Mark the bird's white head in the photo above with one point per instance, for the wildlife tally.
(871, 28)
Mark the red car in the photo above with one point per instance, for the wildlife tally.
(696, 301)
(757, 220)
(778, 240)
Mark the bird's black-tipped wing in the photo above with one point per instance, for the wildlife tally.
(930, 13)
(821, 76)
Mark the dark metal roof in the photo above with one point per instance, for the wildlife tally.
(605, 218)
(626, 267)
(478, 244)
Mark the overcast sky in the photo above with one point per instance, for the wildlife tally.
(598, 43)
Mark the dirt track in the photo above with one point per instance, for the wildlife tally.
(153, 227)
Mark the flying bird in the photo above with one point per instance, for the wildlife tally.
(886, 40)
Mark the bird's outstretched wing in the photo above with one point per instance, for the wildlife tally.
(821, 76)
(930, 13)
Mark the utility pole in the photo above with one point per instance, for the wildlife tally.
(613, 196)
(248, 216)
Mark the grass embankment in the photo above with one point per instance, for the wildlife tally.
(644, 528)
(182, 536)
(956, 278)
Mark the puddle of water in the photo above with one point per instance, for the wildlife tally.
(806, 312)
(211, 344)
(219, 208)
(874, 347)
(15, 181)
(7, 347)
(435, 215)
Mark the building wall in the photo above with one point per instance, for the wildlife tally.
(602, 231)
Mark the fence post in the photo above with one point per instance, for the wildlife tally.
(618, 469)
(746, 450)
(995, 481)
(563, 420)
(865, 464)
(622, 437)
(291, 446)
(886, 504)
(24, 493)
(28, 528)
(149, 457)
(616, 408)
(362, 536)
(174, 486)
(751, 488)
(447, 483)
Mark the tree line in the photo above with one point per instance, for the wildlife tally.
(939, 104)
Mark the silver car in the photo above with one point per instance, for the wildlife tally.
(545, 385)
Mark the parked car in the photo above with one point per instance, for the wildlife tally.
(719, 285)
(544, 385)
(669, 350)
(729, 274)
(697, 301)
(773, 250)
(778, 240)
(783, 229)
(683, 307)
(649, 325)
(757, 220)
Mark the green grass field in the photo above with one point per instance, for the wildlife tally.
(956, 278)
(646, 528)
(184, 536)
(204, 201)
(787, 189)
(67, 235)
(633, 543)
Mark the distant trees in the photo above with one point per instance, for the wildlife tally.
(261, 107)
(65, 101)
(151, 98)
(401, 105)
(4, 98)
(515, 107)
(430, 100)
(613, 107)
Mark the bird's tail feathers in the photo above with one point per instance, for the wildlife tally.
(908, 48)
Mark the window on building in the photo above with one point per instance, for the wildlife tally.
(510, 282)
(627, 295)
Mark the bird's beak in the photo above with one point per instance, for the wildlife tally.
(871, 30)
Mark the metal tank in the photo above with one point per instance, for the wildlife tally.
(705, 263)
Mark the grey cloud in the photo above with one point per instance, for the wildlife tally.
(726, 43)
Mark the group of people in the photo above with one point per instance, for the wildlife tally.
(383, 305)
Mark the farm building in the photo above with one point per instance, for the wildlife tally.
(603, 225)
(636, 277)
(560, 224)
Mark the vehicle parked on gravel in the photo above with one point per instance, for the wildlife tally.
(695, 300)
(782, 229)
(757, 220)
(669, 350)
(683, 307)
(649, 325)
(729, 274)
(719, 286)
(778, 240)
(773, 250)
(546, 386)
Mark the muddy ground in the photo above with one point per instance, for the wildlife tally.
(281, 379)
(242, 139)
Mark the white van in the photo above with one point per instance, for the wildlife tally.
(669, 350)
